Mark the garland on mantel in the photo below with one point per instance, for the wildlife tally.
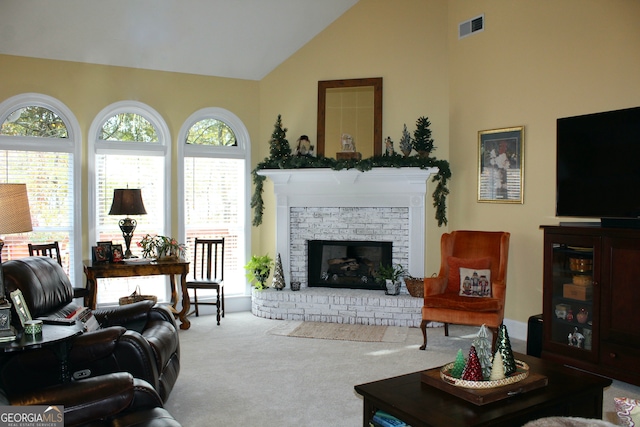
(281, 158)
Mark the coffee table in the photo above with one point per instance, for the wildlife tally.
(569, 392)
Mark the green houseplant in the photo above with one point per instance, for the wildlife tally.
(161, 247)
(389, 276)
(258, 269)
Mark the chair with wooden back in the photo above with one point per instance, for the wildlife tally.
(208, 273)
(52, 250)
(472, 300)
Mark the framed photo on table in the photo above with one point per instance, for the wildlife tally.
(116, 253)
(21, 306)
(501, 165)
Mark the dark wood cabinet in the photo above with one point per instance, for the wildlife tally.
(591, 302)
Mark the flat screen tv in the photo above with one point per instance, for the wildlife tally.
(598, 166)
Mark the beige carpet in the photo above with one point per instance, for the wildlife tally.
(340, 331)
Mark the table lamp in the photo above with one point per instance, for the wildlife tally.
(15, 217)
(127, 201)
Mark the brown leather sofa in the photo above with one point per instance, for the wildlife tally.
(140, 338)
(108, 400)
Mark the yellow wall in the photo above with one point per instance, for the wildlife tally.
(402, 41)
(86, 89)
(537, 60)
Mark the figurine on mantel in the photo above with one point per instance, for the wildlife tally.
(348, 149)
(388, 146)
(304, 147)
(348, 144)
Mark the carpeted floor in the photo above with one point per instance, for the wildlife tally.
(248, 372)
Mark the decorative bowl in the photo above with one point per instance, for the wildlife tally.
(521, 373)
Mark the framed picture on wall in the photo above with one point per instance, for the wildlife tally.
(501, 165)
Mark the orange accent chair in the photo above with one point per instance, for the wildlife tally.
(487, 250)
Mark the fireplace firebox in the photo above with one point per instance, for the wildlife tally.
(346, 263)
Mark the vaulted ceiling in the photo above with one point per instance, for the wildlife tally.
(243, 39)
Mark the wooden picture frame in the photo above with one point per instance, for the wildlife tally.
(20, 306)
(98, 254)
(107, 249)
(501, 165)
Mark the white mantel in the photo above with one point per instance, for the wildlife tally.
(379, 187)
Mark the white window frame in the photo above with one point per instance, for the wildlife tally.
(98, 146)
(241, 151)
(72, 144)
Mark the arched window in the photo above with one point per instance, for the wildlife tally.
(214, 151)
(129, 147)
(40, 147)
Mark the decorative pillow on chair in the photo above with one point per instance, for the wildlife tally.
(475, 282)
(628, 411)
(455, 264)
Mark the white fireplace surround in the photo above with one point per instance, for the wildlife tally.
(327, 188)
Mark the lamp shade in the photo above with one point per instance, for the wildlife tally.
(15, 216)
(127, 201)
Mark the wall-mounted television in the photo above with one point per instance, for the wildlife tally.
(598, 166)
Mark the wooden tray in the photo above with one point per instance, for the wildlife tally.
(486, 395)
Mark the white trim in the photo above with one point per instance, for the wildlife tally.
(73, 145)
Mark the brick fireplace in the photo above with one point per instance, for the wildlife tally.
(383, 204)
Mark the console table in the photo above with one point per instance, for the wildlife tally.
(569, 392)
(95, 271)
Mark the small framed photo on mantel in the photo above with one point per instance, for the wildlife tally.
(501, 165)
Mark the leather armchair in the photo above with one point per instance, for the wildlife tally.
(442, 302)
(140, 338)
(109, 400)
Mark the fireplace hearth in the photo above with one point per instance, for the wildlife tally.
(346, 263)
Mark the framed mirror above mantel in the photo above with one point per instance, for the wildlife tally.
(352, 107)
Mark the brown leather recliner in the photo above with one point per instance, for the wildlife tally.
(108, 400)
(140, 338)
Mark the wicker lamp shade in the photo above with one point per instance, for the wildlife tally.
(15, 215)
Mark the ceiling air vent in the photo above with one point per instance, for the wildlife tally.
(471, 26)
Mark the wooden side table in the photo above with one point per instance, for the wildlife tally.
(95, 271)
(59, 338)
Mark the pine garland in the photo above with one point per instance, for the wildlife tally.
(282, 159)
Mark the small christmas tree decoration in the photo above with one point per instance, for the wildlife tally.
(405, 142)
(279, 147)
(473, 370)
(504, 347)
(278, 275)
(458, 365)
(483, 348)
(497, 369)
(422, 141)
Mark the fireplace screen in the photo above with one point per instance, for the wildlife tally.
(346, 264)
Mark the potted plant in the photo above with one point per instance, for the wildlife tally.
(161, 247)
(389, 276)
(258, 270)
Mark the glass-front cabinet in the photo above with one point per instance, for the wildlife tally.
(571, 295)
